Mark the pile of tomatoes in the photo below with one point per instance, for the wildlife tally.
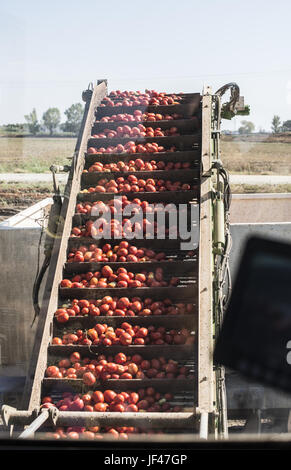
(121, 307)
(121, 366)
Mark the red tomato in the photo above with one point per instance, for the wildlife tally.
(98, 397)
(89, 378)
(109, 396)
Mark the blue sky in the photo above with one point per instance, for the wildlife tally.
(50, 51)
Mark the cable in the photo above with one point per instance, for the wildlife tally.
(222, 277)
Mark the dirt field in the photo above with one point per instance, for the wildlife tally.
(16, 197)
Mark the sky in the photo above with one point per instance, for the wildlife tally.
(51, 51)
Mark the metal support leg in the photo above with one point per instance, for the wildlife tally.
(253, 423)
(203, 432)
(35, 425)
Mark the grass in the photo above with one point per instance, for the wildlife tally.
(34, 155)
(264, 158)
(264, 188)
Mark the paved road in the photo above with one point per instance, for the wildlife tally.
(234, 179)
(260, 179)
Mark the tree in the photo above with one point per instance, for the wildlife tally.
(51, 119)
(74, 118)
(286, 126)
(276, 124)
(17, 127)
(32, 122)
(247, 127)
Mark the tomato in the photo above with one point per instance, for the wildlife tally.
(73, 435)
(57, 341)
(101, 407)
(117, 408)
(109, 396)
(114, 433)
(64, 363)
(136, 358)
(75, 357)
(132, 368)
(119, 398)
(133, 398)
(66, 283)
(111, 367)
(46, 400)
(89, 378)
(120, 358)
(126, 376)
(62, 317)
(143, 405)
(142, 333)
(88, 435)
(132, 408)
(86, 398)
(107, 271)
(145, 364)
(100, 328)
(125, 339)
(52, 371)
(98, 397)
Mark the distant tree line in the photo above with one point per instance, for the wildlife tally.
(50, 122)
(247, 127)
(277, 126)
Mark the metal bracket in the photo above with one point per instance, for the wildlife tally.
(60, 168)
(34, 418)
(87, 94)
(217, 164)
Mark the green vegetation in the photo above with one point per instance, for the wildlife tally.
(32, 122)
(51, 119)
(263, 188)
(247, 127)
(276, 124)
(74, 116)
(50, 123)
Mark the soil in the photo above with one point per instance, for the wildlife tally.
(13, 201)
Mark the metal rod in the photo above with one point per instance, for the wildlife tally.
(181, 420)
(35, 425)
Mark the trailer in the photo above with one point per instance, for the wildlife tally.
(164, 380)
